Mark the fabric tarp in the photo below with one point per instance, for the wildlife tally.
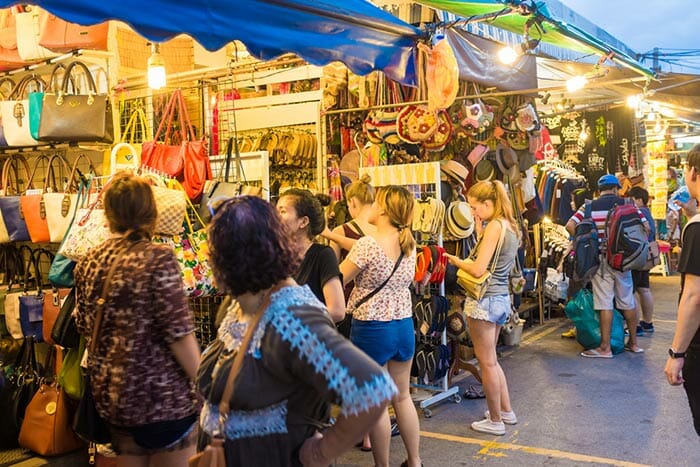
(477, 62)
(354, 32)
(505, 15)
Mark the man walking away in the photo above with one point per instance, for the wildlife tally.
(641, 278)
(683, 364)
(610, 286)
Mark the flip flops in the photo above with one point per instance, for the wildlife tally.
(593, 353)
(635, 349)
(474, 392)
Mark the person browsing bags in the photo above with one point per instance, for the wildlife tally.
(145, 360)
(278, 354)
(683, 363)
(489, 203)
(611, 288)
(382, 264)
(303, 215)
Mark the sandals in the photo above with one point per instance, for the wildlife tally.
(474, 392)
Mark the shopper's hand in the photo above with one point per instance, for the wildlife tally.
(673, 371)
(326, 233)
(310, 453)
(452, 259)
(478, 225)
(690, 208)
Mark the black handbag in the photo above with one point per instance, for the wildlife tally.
(20, 386)
(65, 331)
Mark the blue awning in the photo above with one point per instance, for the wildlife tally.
(354, 32)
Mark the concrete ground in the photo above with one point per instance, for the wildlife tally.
(572, 411)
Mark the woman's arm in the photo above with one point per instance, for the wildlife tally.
(338, 240)
(186, 352)
(334, 298)
(487, 248)
(349, 271)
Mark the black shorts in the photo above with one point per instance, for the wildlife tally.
(691, 375)
(640, 279)
(154, 437)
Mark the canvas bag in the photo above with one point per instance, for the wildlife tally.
(9, 203)
(76, 117)
(62, 204)
(476, 287)
(15, 124)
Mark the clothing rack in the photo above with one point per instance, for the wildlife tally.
(416, 178)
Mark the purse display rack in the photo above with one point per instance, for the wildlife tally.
(423, 179)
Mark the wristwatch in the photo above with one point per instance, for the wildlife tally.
(673, 354)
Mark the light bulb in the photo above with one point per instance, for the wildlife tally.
(507, 55)
(576, 83)
(156, 69)
(634, 101)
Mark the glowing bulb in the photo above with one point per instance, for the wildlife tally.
(583, 136)
(576, 83)
(507, 55)
(634, 101)
(156, 69)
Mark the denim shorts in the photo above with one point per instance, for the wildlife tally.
(494, 308)
(384, 340)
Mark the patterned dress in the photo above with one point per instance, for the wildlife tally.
(297, 364)
(133, 373)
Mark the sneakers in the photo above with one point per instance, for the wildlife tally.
(508, 418)
(646, 327)
(489, 427)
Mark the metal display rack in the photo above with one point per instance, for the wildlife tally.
(419, 178)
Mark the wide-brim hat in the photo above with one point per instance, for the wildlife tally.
(454, 170)
(507, 161)
(459, 219)
(476, 154)
(456, 325)
(484, 171)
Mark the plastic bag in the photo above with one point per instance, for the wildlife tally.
(587, 321)
(442, 75)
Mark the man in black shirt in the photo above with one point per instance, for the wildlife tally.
(683, 364)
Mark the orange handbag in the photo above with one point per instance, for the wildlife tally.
(61, 36)
(32, 204)
(46, 428)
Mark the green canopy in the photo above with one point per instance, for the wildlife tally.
(507, 15)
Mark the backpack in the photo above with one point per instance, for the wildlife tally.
(586, 247)
(627, 243)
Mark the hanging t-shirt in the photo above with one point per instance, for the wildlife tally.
(318, 267)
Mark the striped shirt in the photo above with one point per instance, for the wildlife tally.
(600, 208)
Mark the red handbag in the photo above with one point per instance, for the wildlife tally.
(167, 156)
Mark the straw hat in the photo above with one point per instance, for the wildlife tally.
(484, 171)
(459, 219)
(454, 170)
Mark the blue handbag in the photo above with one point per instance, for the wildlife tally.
(31, 306)
(9, 204)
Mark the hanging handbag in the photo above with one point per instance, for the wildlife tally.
(88, 423)
(76, 117)
(214, 454)
(88, 230)
(31, 305)
(58, 35)
(9, 56)
(15, 110)
(515, 278)
(29, 23)
(70, 378)
(476, 287)
(46, 428)
(345, 325)
(167, 156)
(10, 86)
(126, 154)
(171, 205)
(33, 205)
(9, 204)
(65, 331)
(18, 390)
(36, 99)
(62, 204)
(11, 297)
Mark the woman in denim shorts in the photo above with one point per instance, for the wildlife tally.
(489, 203)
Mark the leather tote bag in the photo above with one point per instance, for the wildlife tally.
(58, 35)
(31, 303)
(17, 392)
(33, 206)
(76, 117)
(29, 23)
(9, 55)
(65, 331)
(7, 87)
(15, 124)
(46, 428)
(62, 205)
(36, 99)
(9, 203)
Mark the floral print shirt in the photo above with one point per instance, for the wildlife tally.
(393, 301)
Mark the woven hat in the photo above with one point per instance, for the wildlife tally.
(440, 138)
(507, 160)
(484, 171)
(454, 170)
(459, 219)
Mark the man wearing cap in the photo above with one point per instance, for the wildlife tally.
(610, 287)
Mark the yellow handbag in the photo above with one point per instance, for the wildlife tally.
(126, 154)
(475, 287)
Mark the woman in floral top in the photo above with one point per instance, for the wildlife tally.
(382, 326)
(296, 364)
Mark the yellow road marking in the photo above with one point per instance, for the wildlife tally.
(489, 445)
(535, 337)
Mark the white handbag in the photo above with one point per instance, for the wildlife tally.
(29, 25)
(15, 112)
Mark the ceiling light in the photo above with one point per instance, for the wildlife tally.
(156, 68)
(508, 54)
(576, 83)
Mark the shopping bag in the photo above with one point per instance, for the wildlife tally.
(587, 322)
(70, 378)
(76, 117)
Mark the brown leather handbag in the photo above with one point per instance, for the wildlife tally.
(46, 428)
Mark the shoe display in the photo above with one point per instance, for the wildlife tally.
(647, 327)
(508, 418)
(487, 426)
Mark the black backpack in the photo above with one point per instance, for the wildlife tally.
(586, 247)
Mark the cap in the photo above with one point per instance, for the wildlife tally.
(608, 179)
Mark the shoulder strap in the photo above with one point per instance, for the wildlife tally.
(380, 287)
(587, 209)
(497, 253)
(357, 227)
